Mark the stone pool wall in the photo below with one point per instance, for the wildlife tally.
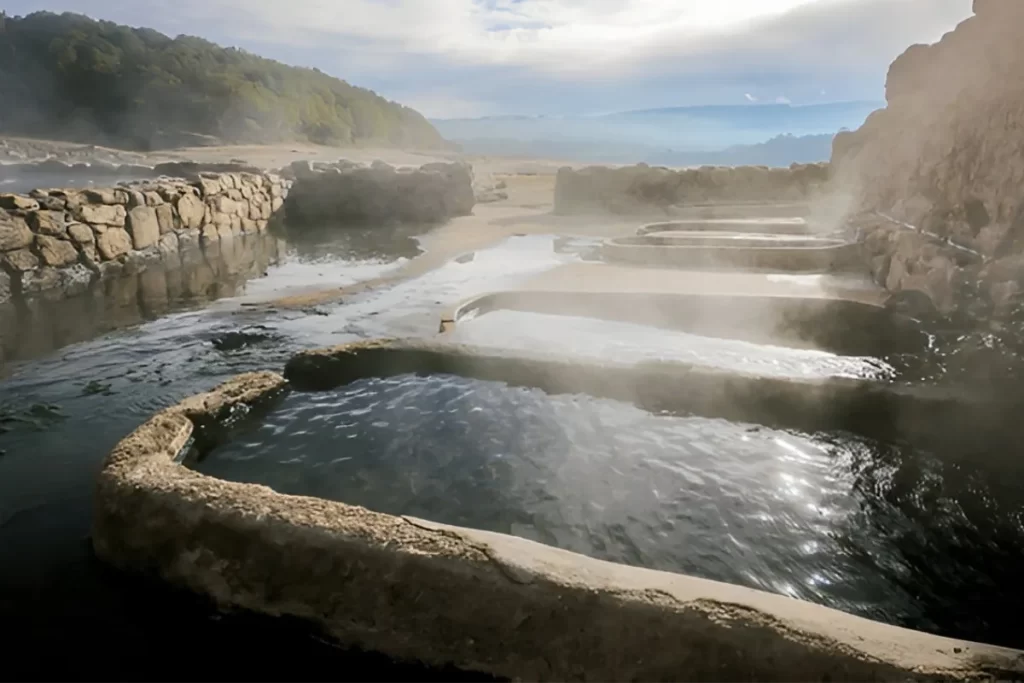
(444, 595)
(59, 241)
(646, 190)
(944, 160)
(830, 324)
(814, 256)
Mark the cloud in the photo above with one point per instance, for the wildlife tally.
(555, 55)
(782, 99)
(749, 97)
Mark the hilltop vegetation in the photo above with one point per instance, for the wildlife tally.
(68, 76)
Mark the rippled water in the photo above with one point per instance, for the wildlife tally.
(627, 342)
(873, 529)
(84, 385)
(82, 374)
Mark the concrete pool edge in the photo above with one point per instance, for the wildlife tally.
(738, 225)
(833, 324)
(481, 601)
(833, 256)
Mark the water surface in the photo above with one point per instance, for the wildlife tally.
(873, 529)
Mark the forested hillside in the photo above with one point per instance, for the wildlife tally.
(68, 76)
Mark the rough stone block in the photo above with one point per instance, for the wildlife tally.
(21, 260)
(102, 214)
(18, 203)
(48, 223)
(81, 233)
(40, 280)
(56, 252)
(208, 187)
(143, 226)
(14, 232)
(191, 211)
(166, 218)
(113, 243)
(106, 196)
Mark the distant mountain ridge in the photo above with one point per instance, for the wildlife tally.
(68, 76)
(781, 150)
(691, 132)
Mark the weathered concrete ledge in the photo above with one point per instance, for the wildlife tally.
(814, 256)
(838, 325)
(59, 241)
(481, 601)
(737, 225)
(645, 190)
(345, 192)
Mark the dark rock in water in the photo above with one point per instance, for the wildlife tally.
(339, 193)
(251, 336)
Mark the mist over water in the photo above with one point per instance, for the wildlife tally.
(826, 517)
(595, 339)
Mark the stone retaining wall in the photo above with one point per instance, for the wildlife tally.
(59, 241)
(819, 256)
(480, 601)
(644, 190)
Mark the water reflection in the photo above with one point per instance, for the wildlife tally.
(948, 532)
(144, 292)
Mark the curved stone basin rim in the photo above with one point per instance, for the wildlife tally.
(795, 226)
(727, 235)
(713, 242)
(482, 601)
(840, 326)
(825, 256)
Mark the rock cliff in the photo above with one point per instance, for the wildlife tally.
(944, 160)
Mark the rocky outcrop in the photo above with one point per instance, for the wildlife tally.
(348, 193)
(644, 190)
(59, 241)
(945, 162)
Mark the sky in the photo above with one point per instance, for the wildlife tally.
(468, 58)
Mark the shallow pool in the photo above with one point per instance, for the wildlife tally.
(830, 518)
